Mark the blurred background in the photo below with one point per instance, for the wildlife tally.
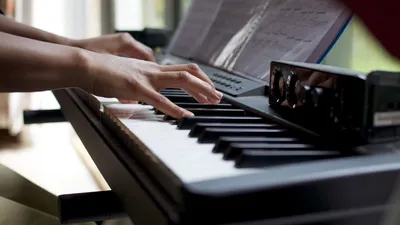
(51, 155)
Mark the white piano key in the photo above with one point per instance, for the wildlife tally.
(97, 102)
(104, 100)
(184, 156)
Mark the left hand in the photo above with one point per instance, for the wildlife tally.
(121, 44)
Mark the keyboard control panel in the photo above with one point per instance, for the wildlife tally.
(235, 85)
(226, 82)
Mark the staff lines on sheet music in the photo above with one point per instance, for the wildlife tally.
(225, 34)
(233, 17)
(277, 49)
(306, 22)
(316, 5)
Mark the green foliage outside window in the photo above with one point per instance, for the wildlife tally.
(367, 52)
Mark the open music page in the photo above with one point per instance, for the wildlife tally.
(233, 26)
(294, 30)
(194, 27)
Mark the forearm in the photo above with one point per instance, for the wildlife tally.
(28, 65)
(8, 25)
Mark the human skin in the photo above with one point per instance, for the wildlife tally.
(110, 66)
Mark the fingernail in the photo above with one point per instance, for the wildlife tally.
(186, 113)
(219, 94)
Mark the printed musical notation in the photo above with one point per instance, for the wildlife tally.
(234, 24)
(194, 27)
(294, 30)
(245, 36)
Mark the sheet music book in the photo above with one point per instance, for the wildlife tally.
(194, 27)
(230, 31)
(293, 30)
(245, 36)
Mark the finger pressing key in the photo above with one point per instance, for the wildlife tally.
(192, 68)
(163, 104)
(193, 85)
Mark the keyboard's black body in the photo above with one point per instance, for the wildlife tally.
(230, 83)
(354, 187)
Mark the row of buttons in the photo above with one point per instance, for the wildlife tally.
(226, 84)
(228, 78)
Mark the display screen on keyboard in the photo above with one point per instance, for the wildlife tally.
(243, 37)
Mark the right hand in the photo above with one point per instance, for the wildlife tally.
(122, 44)
(137, 80)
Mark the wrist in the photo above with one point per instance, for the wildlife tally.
(80, 75)
(77, 43)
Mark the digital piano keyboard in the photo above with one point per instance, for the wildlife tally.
(232, 163)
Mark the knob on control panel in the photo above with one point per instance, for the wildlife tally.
(291, 94)
(295, 89)
(336, 103)
(317, 96)
(278, 85)
(303, 93)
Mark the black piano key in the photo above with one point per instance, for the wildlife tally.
(224, 142)
(234, 149)
(213, 112)
(204, 105)
(181, 98)
(165, 93)
(175, 94)
(200, 127)
(201, 105)
(211, 135)
(188, 122)
(258, 159)
(173, 91)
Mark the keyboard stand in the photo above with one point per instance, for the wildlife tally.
(43, 116)
(88, 207)
(106, 151)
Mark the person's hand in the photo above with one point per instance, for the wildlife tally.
(137, 80)
(121, 44)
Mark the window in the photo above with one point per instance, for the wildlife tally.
(368, 54)
(138, 14)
